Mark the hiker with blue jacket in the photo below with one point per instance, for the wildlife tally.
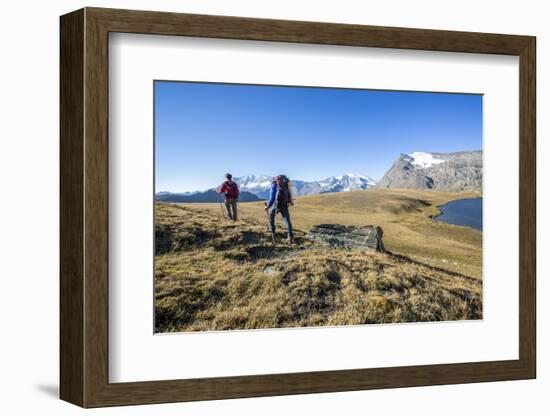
(279, 200)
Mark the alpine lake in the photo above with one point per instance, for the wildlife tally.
(466, 212)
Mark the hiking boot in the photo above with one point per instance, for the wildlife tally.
(273, 239)
(290, 240)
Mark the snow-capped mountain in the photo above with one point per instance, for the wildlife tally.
(443, 171)
(260, 184)
(256, 184)
(344, 183)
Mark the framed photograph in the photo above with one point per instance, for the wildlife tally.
(255, 207)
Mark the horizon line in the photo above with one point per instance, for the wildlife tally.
(242, 176)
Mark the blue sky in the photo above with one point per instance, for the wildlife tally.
(204, 130)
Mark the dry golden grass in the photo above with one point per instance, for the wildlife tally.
(404, 215)
(211, 274)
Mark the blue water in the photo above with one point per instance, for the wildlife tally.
(466, 212)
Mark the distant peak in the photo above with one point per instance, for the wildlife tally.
(356, 176)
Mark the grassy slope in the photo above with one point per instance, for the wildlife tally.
(404, 215)
(214, 275)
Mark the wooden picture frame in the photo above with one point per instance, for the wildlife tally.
(84, 207)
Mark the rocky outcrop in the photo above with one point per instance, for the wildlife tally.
(348, 236)
(458, 171)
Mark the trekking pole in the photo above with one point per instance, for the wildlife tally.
(267, 216)
(221, 207)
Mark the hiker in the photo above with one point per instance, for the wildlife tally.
(279, 200)
(231, 192)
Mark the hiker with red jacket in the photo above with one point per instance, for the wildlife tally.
(279, 200)
(231, 192)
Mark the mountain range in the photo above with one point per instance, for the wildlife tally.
(259, 185)
(210, 195)
(256, 187)
(457, 171)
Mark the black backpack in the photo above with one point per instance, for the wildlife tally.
(283, 197)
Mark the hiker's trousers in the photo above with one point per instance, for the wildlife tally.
(286, 219)
(231, 207)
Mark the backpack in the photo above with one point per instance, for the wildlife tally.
(231, 189)
(283, 197)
